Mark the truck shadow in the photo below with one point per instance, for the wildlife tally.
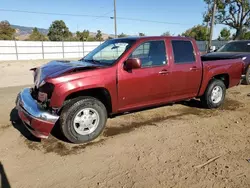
(4, 182)
(57, 133)
(17, 124)
(57, 143)
(194, 103)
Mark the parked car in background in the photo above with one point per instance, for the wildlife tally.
(233, 50)
(119, 76)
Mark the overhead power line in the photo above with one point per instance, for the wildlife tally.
(93, 16)
(103, 15)
(50, 13)
(152, 21)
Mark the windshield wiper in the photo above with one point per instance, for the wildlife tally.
(92, 61)
(95, 62)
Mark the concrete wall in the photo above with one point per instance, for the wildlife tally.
(29, 50)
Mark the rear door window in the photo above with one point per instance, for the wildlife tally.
(183, 52)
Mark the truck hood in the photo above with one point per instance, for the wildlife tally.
(224, 55)
(56, 68)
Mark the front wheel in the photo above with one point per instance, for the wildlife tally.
(214, 95)
(83, 119)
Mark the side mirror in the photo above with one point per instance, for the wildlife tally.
(133, 63)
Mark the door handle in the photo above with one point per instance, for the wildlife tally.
(164, 71)
(193, 69)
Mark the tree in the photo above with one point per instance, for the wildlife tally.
(58, 31)
(141, 34)
(91, 38)
(167, 33)
(78, 35)
(197, 32)
(82, 36)
(246, 36)
(224, 34)
(99, 35)
(37, 36)
(122, 35)
(85, 34)
(6, 31)
(233, 13)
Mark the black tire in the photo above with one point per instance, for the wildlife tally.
(247, 77)
(69, 112)
(206, 99)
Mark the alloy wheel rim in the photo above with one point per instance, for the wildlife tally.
(217, 94)
(86, 121)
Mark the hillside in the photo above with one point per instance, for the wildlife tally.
(23, 32)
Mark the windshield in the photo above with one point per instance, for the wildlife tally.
(235, 47)
(108, 52)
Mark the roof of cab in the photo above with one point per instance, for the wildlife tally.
(153, 37)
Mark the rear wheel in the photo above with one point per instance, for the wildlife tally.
(247, 78)
(214, 95)
(83, 119)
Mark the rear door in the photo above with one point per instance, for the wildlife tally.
(186, 70)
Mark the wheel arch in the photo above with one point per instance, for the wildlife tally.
(99, 93)
(223, 77)
(207, 99)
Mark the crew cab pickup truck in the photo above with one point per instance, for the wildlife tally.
(234, 50)
(119, 76)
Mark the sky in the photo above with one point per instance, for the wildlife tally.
(186, 13)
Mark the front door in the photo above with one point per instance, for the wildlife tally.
(149, 84)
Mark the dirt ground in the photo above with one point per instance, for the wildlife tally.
(161, 147)
(16, 73)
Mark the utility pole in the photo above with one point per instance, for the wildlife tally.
(207, 28)
(212, 25)
(115, 18)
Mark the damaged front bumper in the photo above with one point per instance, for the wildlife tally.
(37, 120)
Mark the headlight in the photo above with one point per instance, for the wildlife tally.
(244, 58)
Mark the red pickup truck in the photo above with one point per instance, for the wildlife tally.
(119, 76)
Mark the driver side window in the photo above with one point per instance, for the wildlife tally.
(152, 53)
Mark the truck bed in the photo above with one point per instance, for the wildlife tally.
(232, 68)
